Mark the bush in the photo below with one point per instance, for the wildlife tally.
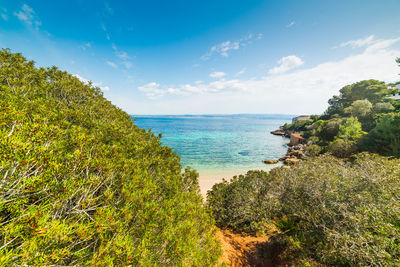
(298, 126)
(334, 211)
(342, 148)
(230, 202)
(81, 184)
(385, 137)
(314, 150)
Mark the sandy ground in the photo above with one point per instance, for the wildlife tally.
(208, 179)
(243, 250)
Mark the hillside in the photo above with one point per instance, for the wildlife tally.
(81, 184)
(336, 207)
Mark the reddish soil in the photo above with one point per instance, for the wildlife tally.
(245, 250)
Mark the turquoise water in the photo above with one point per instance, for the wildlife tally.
(215, 143)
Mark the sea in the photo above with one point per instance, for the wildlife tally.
(220, 144)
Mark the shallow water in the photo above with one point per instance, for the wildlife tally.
(220, 143)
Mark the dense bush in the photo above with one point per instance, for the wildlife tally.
(82, 185)
(385, 137)
(333, 211)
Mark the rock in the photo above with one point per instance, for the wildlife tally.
(270, 161)
(298, 154)
(278, 132)
(291, 161)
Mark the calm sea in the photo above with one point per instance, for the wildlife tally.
(220, 143)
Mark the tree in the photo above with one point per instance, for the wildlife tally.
(350, 130)
(383, 107)
(371, 90)
(359, 108)
(346, 140)
(385, 137)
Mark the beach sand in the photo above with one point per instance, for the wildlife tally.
(208, 178)
(206, 181)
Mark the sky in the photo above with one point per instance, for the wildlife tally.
(210, 57)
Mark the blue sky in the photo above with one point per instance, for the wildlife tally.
(210, 57)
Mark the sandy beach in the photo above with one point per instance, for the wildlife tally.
(208, 178)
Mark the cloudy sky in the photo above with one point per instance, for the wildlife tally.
(210, 57)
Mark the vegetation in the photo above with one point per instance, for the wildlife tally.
(361, 118)
(338, 208)
(82, 185)
(328, 210)
(385, 137)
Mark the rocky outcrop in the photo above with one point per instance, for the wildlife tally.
(281, 132)
(278, 132)
(270, 161)
(295, 154)
(297, 146)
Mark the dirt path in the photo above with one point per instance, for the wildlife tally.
(243, 250)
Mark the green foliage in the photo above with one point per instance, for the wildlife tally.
(336, 212)
(372, 90)
(359, 108)
(383, 107)
(298, 126)
(230, 202)
(327, 130)
(81, 184)
(342, 148)
(350, 130)
(365, 100)
(385, 137)
(314, 150)
(345, 143)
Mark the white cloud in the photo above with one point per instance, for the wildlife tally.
(108, 10)
(85, 81)
(88, 82)
(28, 16)
(358, 43)
(290, 24)
(226, 47)
(285, 64)
(127, 64)
(242, 71)
(112, 64)
(123, 56)
(152, 90)
(297, 92)
(217, 74)
(104, 28)
(4, 16)
(86, 45)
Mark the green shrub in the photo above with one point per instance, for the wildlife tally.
(385, 137)
(334, 211)
(230, 202)
(314, 150)
(342, 148)
(81, 184)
